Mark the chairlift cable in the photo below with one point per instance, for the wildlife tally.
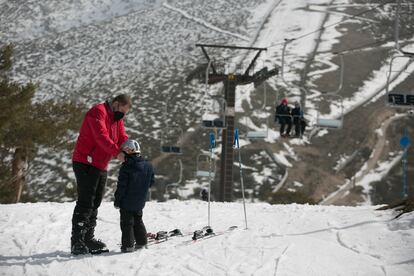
(328, 26)
(334, 24)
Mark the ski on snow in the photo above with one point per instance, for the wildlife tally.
(198, 235)
(207, 233)
(162, 236)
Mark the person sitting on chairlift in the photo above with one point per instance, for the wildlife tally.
(283, 116)
(204, 194)
(298, 120)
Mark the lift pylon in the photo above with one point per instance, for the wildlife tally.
(230, 81)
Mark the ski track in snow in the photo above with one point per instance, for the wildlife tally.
(277, 260)
(282, 240)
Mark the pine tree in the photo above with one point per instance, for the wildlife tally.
(24, 126)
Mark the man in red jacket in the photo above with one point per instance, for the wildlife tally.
(100, 139)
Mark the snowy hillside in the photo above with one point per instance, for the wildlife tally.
(300, 240)
(138, 47)
(89, 50)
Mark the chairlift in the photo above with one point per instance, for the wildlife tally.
(169, 188)
(320, 121)
(205, 166)
(399, 99)
(171, 136)
(329, 122)
(171, 140)
(257, 134)
(260, 133)
(216, 118)
(282, 75)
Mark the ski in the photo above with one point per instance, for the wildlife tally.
(206, 233)
(162, 236)
(198, 235)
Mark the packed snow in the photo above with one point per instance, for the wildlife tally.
(280, 240)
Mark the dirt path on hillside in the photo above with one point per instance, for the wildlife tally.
(370, 164)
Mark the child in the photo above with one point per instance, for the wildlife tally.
(136, 176)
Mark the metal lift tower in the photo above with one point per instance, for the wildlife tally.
(231, 81)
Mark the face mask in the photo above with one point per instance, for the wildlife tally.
(118, 115)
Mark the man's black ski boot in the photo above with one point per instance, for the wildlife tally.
(139, 246)
(77, 244)
(78, 248)
(127, 249)
(96, 246)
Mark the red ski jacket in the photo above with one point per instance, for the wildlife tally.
(100, 137)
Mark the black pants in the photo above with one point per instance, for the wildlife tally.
(282, 127)
(133, 229)
(90, 187)
(299, 128)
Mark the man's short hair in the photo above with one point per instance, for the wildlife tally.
(123, 99)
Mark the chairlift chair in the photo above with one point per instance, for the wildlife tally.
(216, 119)
(320, 121)
(399, 99)
(261, 133)
(171, 136)
(205, 166)
(258, 134)
(330, 122)
(170, 187)
(170, 141)
(174, 186)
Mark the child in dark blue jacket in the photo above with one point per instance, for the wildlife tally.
(135, 178)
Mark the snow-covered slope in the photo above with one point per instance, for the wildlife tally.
(280, 240)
